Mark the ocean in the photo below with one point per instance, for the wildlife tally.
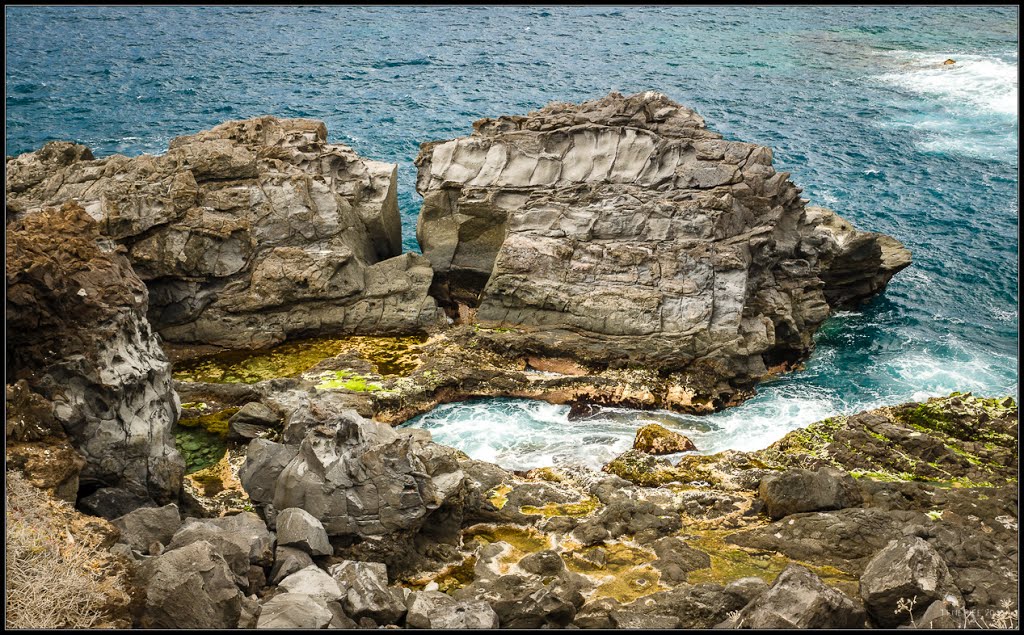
(855, 102)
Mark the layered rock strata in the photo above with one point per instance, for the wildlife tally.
(84, 355)
(248, 233)
(624, 232)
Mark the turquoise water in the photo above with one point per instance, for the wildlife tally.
(854, 101)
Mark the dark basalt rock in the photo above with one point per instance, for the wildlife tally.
(77, 334)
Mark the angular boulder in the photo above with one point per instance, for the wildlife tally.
(77, 333)
(143, 527)
(907, 569)
(623, 231)
(358, 478)
(294, 610)
(433, 609)
(242, 539)
(288, 560)
(248, 233)
(799, 599)
(795, 491)
(298, 528)
(314, 582)
(366, 592)
(189, 588)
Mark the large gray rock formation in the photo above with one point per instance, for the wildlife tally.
(247, 233)
(359, 478)
(622, 230)
(77, 334)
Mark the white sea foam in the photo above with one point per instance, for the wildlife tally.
(974, 81)
(524, 434)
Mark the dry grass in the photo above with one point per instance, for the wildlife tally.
(57, 574)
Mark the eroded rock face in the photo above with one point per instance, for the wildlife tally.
(77, 334)
(623, 230)
(247, 233)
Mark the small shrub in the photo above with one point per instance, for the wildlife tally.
(56, 578)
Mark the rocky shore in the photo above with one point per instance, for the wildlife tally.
(208, 351)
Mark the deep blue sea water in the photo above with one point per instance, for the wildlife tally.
(854, 101)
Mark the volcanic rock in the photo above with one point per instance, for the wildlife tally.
(796, 491)
(77, 333)
(623, 231)
(799, 599)
(908, 569)
(298, 528)
(191, 588)
(657, 439)
(248, 233)
(360, 479)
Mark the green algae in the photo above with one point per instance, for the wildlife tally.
(448, 579)
(732, 562)
(349, 380)
(622, 571)
(643, 469)
(200, 448)
(579, 509)
(523, 539)
(389, 357)
(214, 423)
(631, 584)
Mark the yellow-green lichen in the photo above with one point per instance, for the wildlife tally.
(621, 571)
(214, 423)
(499, 495)
(346, 379)
(523, 539)
(389, 356)
(449, 579)
(579, 509)
(732, 562)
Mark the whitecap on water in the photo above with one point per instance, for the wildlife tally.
(968, 108)
(973, 82)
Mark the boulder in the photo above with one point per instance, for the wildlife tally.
(657, 439)
(621, 231)
(433, 609)
(795, 491)
(189, 588)
(241, 539)
(907, 570)
(252, 420)
(248, 233)
(359, 478)
(78, 335)
(113, 502)
(143, 527)
(366, 592)
(294, 610)
(799, 599)
(264, 461)
(288, 560)
(527, 600)
(314, 582)
(298, 528)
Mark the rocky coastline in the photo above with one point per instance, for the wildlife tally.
(209, 351)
